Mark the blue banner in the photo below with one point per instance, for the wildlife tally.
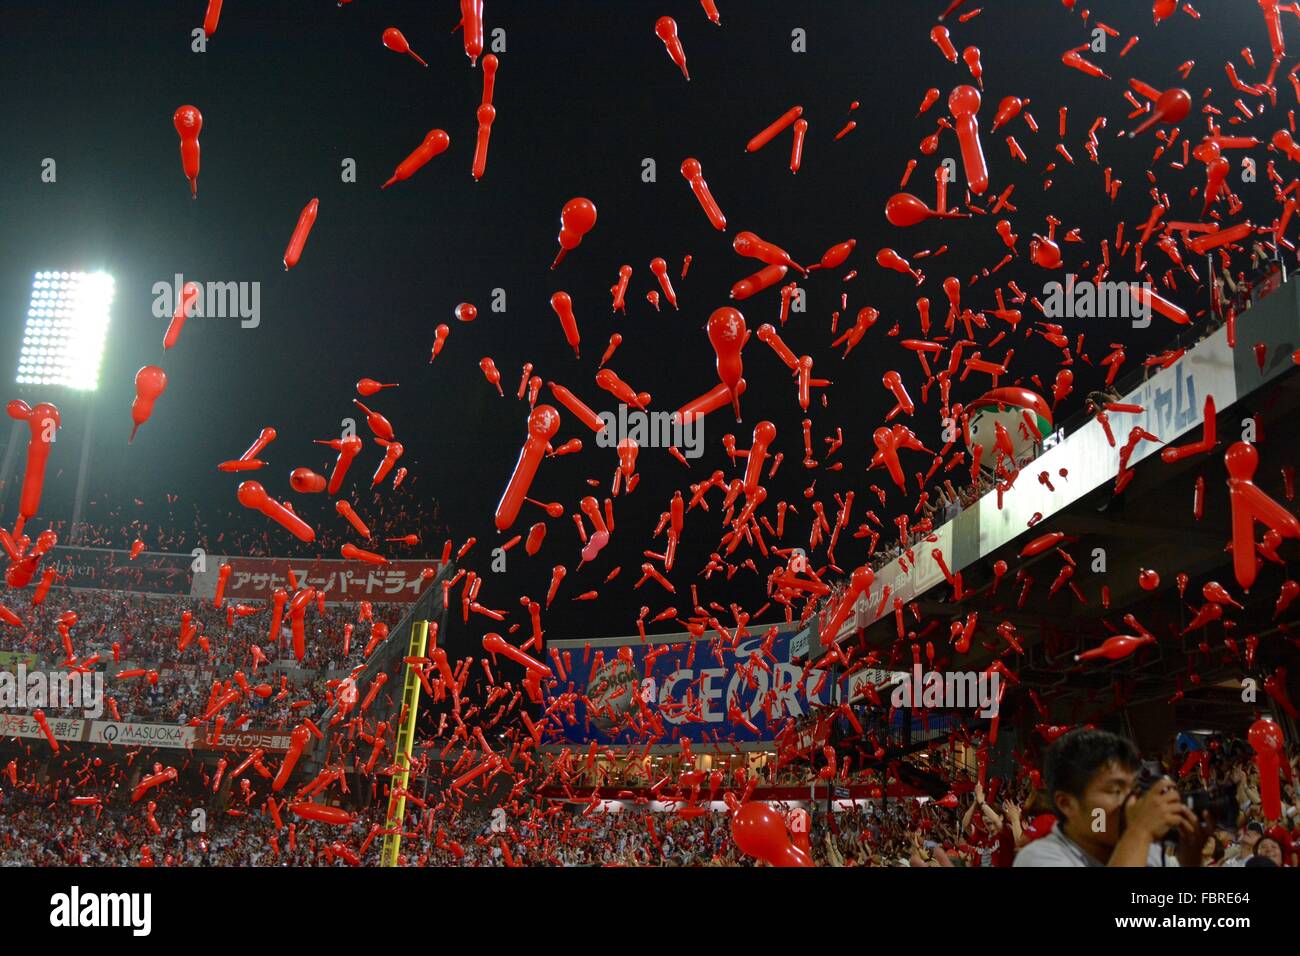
(705, 691)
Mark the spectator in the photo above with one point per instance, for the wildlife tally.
(1091, 776)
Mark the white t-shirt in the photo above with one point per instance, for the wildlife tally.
(1057, 849)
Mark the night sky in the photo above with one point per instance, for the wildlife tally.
(289, 89)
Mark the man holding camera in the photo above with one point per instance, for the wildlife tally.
(1103, 817)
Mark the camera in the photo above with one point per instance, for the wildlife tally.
(1220, 802)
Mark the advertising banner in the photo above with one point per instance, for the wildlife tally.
(106, 569)
(704, 691)
(21, 725)
(247, 740)
(1173, 403)
(170, 736)
(254, 579)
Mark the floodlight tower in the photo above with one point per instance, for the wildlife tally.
(63, 347)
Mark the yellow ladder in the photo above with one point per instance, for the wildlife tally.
(405, 741)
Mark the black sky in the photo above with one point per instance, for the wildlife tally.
(585, 92)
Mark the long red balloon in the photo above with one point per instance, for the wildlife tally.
(543, 423)
(307, 219)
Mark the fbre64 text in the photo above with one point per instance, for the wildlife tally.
(1166, 899)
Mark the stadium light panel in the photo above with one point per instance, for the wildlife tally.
(67, 324)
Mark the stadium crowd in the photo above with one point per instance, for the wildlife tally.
(179, 528)
(974, 829)
(144, 631)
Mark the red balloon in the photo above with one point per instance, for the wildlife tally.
(942, 39)
(660, 269)
(348, 449)
(323, 813)
(904, 209)
(353, 553)
(1217, 593)
(395, 41)
(471, 21)
(889, 259)
(306, 219)
(43, 420)
(1282, 140)
(860, 582)
(693, 173)
(1265, 736)
(727, 335)
(252, 495)
(496, 644)
(368, 386)
(305, 481)
(376, 422)
(715, 398)
(619, 291)
(490, 66)
(1250, 504)
(1172, 107)
(971, 55)
(491, 374)
(764, 435)
(212, 17)
(439, 340)
(760, 831)
(1117, 647)
(435, 143)
(666, 30)
(189, 122)
(964, 104)
(393, 450)
(836, 255)
(576, 220)
(770, 133)
(751, 246)
(184, 309)
(150, 382)
(543, 423)
(1044, 252)
(562, 304)
(1008, 110)
(486, 116)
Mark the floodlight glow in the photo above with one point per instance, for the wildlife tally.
(67, 323)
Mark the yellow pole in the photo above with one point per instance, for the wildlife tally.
(405, 741)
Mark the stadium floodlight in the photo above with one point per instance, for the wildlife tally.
(67, 323)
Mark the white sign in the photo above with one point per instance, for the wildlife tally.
(21, 725)
(171, 736)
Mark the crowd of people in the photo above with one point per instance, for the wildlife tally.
(1008, 823)
(179, 527)
(979, 828)
(1231, 294)
(1237, 293)
(144, 631)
